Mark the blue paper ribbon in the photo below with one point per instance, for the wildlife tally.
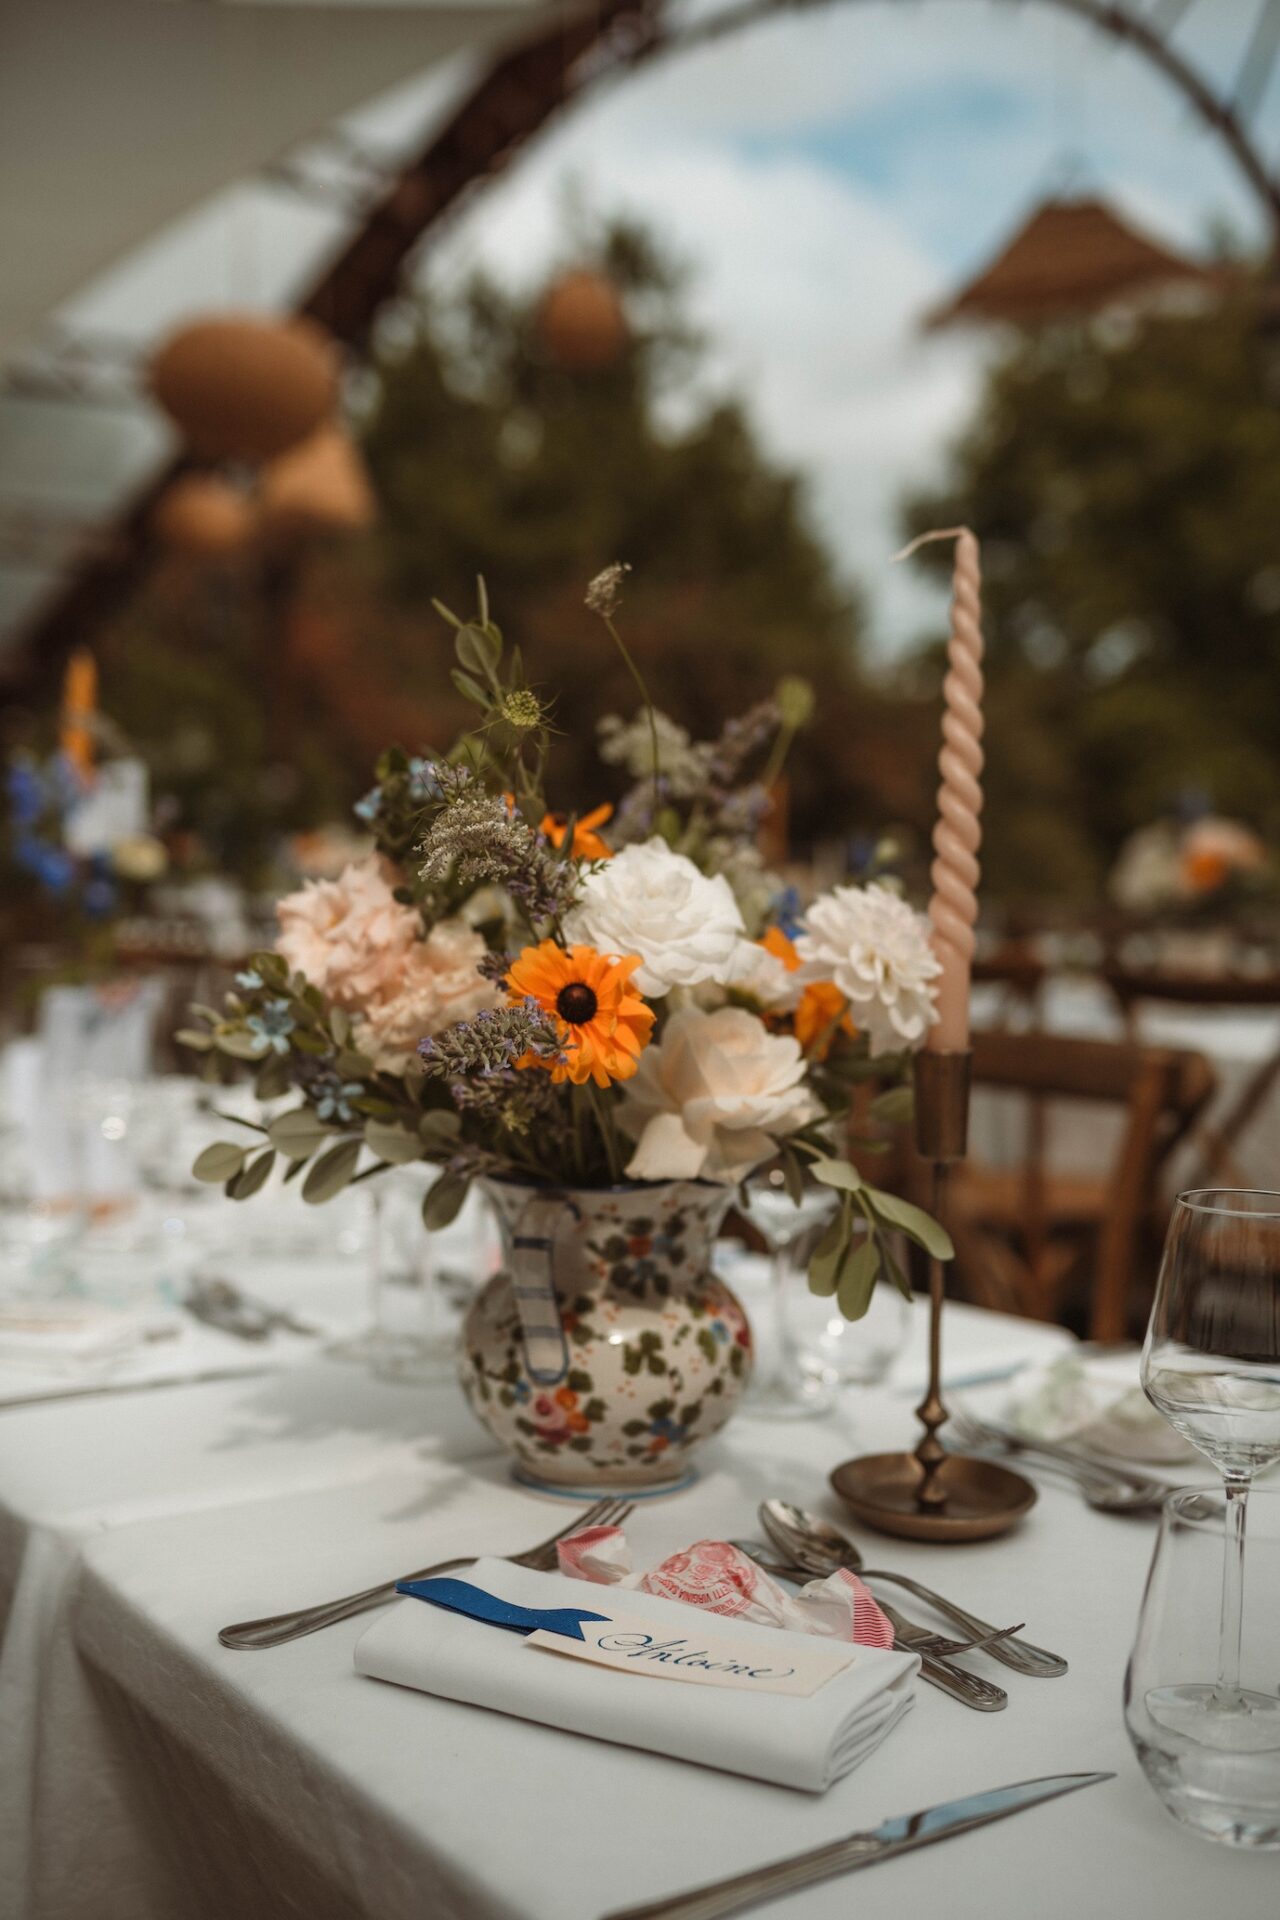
(459, 1596)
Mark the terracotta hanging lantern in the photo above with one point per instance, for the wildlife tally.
(582, 322)
(246, 388)
(204, 517)
(319, 486)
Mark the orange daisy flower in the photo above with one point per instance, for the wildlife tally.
(587, 844)
(605, 1023)
(818, 1016)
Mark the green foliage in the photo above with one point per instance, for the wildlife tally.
(1126, 486)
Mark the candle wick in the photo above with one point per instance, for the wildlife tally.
(923, 539)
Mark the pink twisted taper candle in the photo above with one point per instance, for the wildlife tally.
(953, 908)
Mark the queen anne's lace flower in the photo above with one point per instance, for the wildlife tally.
(711, 1101)
(876, 949)
(648, 900)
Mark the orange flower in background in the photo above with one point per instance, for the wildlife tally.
(605, 1023)
(818, 1018)
(587, 844)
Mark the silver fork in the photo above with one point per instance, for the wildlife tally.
(248, 1635)
(1105, 1484)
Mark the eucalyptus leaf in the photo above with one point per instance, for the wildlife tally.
(274, 1077)
(219, 1162)
(443, 1203)
(298, 1133)
(894, 1106)
(792, 1174)
(330, 1173)
(394, 1144)
(838, 1174)
(241, 1046)
(195, 1038)
(340, 1025)
(824, 1263)
(439, 1126)
(353, 1065)
(892, 1271)
(251, 1178)
(469, 689)
(478, 650)
(913, 1221)
(858, 1274)
(308, 1043)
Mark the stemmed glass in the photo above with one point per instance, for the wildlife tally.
(790, 1230)
(1211, 1365)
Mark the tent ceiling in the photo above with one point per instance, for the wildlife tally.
(117, 116)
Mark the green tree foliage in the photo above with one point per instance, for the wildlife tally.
(1125, 482)
(491, 459)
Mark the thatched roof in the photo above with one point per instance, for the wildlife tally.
(1071, 256)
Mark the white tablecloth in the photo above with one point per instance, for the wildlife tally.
(174, 1780)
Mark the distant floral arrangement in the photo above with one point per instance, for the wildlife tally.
(1210, 863)
(578, 999)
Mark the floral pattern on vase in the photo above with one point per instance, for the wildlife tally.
(654, 1348)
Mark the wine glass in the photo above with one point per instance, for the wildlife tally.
(1211, 1366)
(790, 1230)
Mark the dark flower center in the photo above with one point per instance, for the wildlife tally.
(576, 1003)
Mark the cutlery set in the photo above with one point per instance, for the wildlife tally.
(801, 1546)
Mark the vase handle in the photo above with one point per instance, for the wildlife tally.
(546, 1351)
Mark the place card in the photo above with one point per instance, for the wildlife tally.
(631, 1644)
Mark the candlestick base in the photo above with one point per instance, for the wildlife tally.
(979, 1498)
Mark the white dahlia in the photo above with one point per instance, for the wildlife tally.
(877, 951)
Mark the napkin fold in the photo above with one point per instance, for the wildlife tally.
(1097, 1399)
(790, 1740)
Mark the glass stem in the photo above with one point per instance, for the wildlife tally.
(781, 1273)
(1236, 1488)
(377, 1273)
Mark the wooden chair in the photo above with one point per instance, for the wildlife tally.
(1021, 1232)
(1216, 1139)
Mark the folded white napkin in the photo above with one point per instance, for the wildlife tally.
(1096, 1399)
(792, 1740)
(68, 1334)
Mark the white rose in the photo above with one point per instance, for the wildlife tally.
(877, 951)
(710, 1101)
(648, 900)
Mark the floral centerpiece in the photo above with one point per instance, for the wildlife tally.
(619, 1005)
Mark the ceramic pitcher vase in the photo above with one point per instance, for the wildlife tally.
(606, 1351)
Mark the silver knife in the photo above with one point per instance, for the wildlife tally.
(903, 1835)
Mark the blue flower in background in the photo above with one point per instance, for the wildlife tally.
(26, 794)
(273, 1024)
(99, 896)
(786, 912)
(422, 780)
(250, 980)
(333, 1097)
(370, 807)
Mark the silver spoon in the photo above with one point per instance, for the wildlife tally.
(821, 1548)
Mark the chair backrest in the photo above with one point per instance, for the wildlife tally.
(1130, 985)
(1162, 1091)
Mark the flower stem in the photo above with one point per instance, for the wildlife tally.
(643, 691)
(604, 1120)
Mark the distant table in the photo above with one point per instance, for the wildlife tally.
(148, 1774)
(1083, 1138)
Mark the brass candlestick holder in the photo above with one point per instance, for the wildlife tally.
(932, 1494)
